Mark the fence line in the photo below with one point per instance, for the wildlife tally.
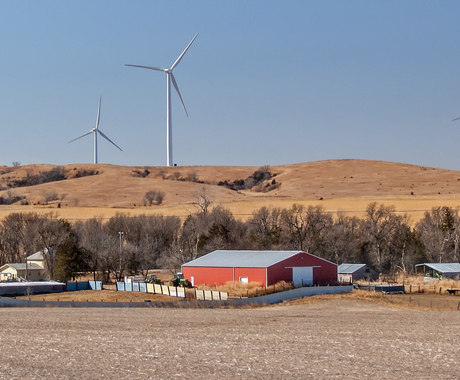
(172, 291)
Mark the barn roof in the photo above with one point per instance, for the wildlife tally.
(241, 259)
(349, 268)
(443, 267)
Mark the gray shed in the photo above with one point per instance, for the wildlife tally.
(348, 273)
(437, 270)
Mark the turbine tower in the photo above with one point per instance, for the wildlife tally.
(96, 130)
(169, 78)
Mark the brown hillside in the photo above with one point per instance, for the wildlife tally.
(339, 185)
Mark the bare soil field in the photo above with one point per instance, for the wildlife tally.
(346, 186)
(334, 339)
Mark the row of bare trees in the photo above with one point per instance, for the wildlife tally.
(128, 244)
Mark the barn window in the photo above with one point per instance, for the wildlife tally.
(244, 280)
(367, 270)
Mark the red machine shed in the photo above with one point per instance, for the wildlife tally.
(264, 267)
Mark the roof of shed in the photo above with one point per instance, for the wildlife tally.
(443, 267)
(349, 268)
(242, 259)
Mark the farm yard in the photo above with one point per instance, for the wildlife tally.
(316, 339)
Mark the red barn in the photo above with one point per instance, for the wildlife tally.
(264, 267)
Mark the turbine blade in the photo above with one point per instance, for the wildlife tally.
(79, 137)
(148, 67)
(104, 136)
(98, 113)
(458, 118)
(180, 57)
(178, 92)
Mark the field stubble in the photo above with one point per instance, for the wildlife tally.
(337, 338)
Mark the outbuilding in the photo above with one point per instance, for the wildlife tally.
(438, 270)
(348, 273)
(264, 267)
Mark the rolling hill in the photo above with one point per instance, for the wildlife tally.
(348, 186)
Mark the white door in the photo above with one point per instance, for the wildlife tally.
(244, 280)
(302, 275)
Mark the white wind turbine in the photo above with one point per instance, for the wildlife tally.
(169, 78)
(96, 130)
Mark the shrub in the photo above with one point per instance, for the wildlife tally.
(49, 196)
(153, 197)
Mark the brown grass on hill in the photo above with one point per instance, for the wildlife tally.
(345, 186)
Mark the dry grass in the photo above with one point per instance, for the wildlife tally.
(253, 289)
(346, 186)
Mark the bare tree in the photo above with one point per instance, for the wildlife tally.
(153, 196)
(203, 200)
(49, 196)
(264, 227)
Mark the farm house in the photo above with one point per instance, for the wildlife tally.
(34, 270)
(265, 267)
(348, 273)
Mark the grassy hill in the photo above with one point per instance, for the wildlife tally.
(86, 190)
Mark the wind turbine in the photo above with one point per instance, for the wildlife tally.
(96, 130)
(169, 78)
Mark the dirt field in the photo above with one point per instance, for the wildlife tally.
(346, 339)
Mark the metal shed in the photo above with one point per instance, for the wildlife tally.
(264, 267)
(348, 273)
(437, 270)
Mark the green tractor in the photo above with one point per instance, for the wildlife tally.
(152, 279)
(180, 281)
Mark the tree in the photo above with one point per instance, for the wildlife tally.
(304, 229)
(69, 260)
(264, 228)
(51, 233)
(204, 200)
(377, 228)
(153, 196)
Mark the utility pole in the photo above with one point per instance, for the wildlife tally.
(120, 233)
(27, 267)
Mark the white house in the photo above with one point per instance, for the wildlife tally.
(32, 270)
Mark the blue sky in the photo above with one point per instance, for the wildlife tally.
(265, 82)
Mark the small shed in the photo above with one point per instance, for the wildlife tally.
(264, 267)
(348, 273)
(438, 270)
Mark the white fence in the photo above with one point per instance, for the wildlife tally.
(172, 291)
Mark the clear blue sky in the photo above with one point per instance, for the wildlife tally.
(265, 82)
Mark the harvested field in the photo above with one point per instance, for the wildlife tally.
(336, 338)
